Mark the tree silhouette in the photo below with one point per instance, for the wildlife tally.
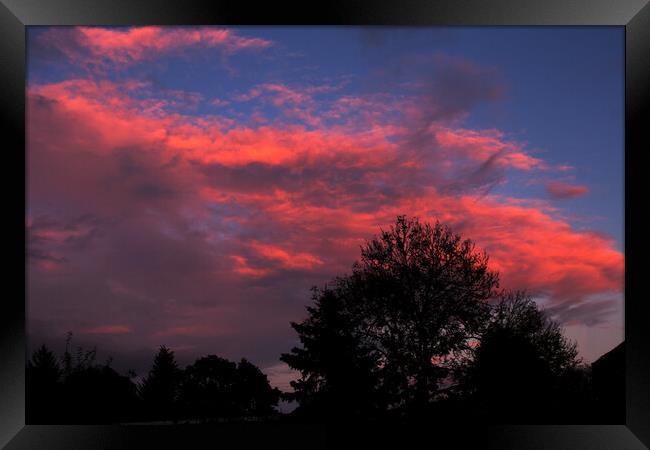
(208, 388)
(254, 395)
(80, 391)
(43, 387)
(339, 375)
(161, 388)
(215, 388)
(97, 394)
(417, 330)
(418, 294)
(523, 366)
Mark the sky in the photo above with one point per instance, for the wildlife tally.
(186, 186)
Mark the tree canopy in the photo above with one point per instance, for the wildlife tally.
(419, 318)
(214, 387)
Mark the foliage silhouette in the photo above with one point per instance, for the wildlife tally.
(208, 388)
(254, 395)
(523, 365)
(215, 388)
(417, 331)
(339, 376)
(76, 390)
(420, 330)
(161, 388)
(418, 294)
(43, 387)
(98, 394)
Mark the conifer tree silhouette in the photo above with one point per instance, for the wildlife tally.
(161, 388)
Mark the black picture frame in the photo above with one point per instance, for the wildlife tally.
(634, 15)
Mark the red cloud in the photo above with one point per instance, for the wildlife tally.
(561, 190)
(531, 249)
(534, 251)
(105, 110)
(298, 260)
(44, 230)
(242, 267)
(482, 145)
(309, 196)
(95, 45)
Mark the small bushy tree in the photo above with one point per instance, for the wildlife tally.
(523, 364)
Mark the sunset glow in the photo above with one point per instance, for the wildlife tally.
(187, 186)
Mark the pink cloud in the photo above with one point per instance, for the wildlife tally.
(534, 251)
(242, 268)
(308, 196)
(294, 102)
(116, 120)
(59, 233)
(96, 45)
(531, 249)
(297, 260)
(561, 190)
(484, 144)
